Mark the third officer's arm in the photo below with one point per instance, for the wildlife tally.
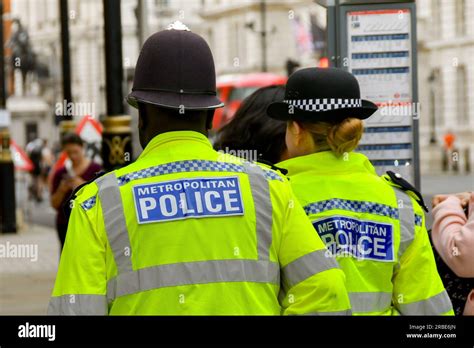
(417, 286)
(312, 282)
(80, 287)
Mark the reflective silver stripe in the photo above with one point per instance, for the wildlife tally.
(189, 273)
(78, 305)
(306, 266)
(114, 220)
(263, 209)
(407, 220)
(366, 302)
(434, 305)
(346, 312)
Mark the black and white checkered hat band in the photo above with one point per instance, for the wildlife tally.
(324, 104)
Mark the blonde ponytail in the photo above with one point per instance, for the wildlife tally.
(340, 138)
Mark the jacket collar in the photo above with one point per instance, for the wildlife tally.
(326, 163)
(176, 139)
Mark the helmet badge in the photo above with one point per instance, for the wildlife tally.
(177, 25)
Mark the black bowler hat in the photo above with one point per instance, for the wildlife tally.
(175, 69)
(321, 94)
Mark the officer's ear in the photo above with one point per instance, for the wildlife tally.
(209, 118)
(295, 129)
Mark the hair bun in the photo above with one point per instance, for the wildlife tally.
(345, 136)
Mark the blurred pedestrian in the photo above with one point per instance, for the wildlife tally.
(453, 236)
(34, 149)
(47, 161)
(448, 152)
(373, 225)
(251, 132)
(77, 170)
(449, 139)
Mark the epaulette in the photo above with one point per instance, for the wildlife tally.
(76, 190)
(397, 179)
(273, 167)
(66, 207)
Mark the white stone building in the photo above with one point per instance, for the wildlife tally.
(41, 19)
(445, 35)
(236, 47)
(446, 79)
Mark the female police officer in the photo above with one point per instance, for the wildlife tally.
(375, 229)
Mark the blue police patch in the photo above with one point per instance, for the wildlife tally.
(362, 239)
(188, 198)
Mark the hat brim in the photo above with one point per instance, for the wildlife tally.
(174, 100)
(281, 111)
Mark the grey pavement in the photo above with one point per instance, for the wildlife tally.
(436, 184)
(27, 282)
(27, 279)
(33, 212)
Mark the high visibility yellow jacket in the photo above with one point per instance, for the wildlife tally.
(188, 230)
(376, 231)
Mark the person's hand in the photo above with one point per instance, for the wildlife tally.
(463, 197)
(75, 182)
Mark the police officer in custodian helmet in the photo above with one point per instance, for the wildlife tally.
(185, 229)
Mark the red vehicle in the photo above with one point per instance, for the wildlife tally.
(232, 89)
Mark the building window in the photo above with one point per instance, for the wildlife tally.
(460, 8)
(462, 101)
(435, 82)
(161, 4)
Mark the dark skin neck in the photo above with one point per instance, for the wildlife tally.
(154, 121)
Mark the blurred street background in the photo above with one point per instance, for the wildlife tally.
(58, 57)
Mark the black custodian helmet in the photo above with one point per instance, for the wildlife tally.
(175, 69)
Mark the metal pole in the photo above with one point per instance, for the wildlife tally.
(3, 94)
(113, 57)
(332, 38)
(116, 137)
(431, 81)
(416, 121)
(263, 33)
(7, 173)
(66, 60)
(142, 24)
